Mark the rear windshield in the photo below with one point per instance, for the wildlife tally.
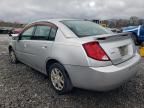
(85, 28)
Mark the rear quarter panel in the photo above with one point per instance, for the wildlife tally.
(68, 51)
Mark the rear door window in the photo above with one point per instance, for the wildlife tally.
(42, 33)
(52, 34)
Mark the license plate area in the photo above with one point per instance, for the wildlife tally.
(123, 50)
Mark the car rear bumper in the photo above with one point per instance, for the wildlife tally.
(103, 78)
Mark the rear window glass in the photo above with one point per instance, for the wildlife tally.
(85, 28)
(52, 34)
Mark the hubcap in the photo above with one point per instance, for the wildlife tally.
(12, 56)
(57, 79)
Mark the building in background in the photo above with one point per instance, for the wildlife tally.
(141, 21)
(104, 23)
(134, 21)
(96, 21)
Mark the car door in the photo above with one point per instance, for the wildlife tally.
(41, 44)
(22, 45)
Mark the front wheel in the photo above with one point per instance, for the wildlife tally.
(59, 79)
(12, 57)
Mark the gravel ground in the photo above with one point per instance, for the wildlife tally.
(23, 87)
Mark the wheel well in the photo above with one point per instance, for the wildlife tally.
(10, 48)
(50, 62)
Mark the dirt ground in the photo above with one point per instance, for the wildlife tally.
(23, 87)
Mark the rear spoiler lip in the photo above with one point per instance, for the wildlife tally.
(108, 35)
(111, 35)
(103, 37)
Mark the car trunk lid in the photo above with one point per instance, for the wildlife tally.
(119, 47)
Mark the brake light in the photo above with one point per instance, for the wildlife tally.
(94, 50)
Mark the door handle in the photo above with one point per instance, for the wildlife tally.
(44, 47)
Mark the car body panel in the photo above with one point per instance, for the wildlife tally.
(103, 78)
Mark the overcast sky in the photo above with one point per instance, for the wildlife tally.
(29, 10)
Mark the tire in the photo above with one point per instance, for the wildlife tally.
(134, 37)
(12, 57)
(59, 79)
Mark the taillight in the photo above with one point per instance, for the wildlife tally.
(94, 50)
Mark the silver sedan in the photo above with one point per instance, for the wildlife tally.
(76, 53)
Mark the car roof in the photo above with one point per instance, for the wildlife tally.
(53, 20)
(57, 23)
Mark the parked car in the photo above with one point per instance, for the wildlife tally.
(76, 53)
(137, 33)
(15, 31)
(115, 30)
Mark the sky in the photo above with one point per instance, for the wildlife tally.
(30, 10)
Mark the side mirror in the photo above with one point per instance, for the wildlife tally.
(15, 36)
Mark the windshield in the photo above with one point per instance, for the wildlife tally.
(85, 28)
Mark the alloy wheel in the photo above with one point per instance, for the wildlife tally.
(57, 79)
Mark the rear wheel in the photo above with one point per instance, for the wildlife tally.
(12, 56)
(59, 79)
